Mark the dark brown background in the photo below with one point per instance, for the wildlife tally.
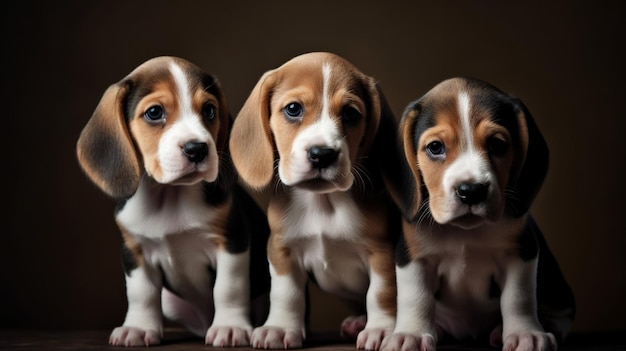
(59, 248)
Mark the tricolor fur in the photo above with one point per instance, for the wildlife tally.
(311, 134)
(157, 142)
(472, 262)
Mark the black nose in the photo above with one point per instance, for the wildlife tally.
(195, 151)
(322, 157)
(472, 193)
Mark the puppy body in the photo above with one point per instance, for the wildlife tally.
(472, 261)
(157, 143)
(313, 128)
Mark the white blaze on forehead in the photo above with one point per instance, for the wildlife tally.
(189, 126)
(325, 91)
(184, 94)
(465, 116)
(324, 131)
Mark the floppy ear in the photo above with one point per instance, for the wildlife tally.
(216, 89)
(251, 145)
(379, 111)
(402, 174)
(381, 135)
(105, 150)
(534, 160)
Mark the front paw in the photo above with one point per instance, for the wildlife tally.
(529, 341)
(408, 342)
(276, 338)
(225, 336)
(131, 336)
(371, 338)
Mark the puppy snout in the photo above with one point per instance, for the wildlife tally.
(321, 157)
(195, 151)
(472, 193)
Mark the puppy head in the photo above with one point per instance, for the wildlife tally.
(167, 118)
(317, 114)
(475, 154)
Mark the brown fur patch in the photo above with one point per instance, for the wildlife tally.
(446, 131)
(412, 243)
(382, 262)
(199, 100)
(300, 84)
(132, 245)
(502, 164)
(278, 254)
(220, 222)
(146, 134)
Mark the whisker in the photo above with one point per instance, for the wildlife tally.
(361, 176)
(277, 183)
(512, 200)
(426, 215)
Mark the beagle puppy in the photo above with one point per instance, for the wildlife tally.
(311, 136)
(157, 143)
(472, 262)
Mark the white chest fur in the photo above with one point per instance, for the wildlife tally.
(324, 233)
(467, 269)
(172, 226)
(155, 210)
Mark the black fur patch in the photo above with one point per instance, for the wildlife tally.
(129, 263)
(238, 228)
(402, 252)
(494, 289)
(527, 241)
(214, 194)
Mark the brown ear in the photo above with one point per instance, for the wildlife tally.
(402, 176)
(380, 140)
(105, 150)
(379, 110)
(226, 174)
(533, 156)
(251, 145)
(216, 89)
(413, 190)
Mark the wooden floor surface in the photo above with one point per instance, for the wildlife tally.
(175, 340)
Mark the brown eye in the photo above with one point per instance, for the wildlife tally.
(436, 150)
(497, 146)
(154, 113)
(208, 112)
(350, 115)
(293, 111)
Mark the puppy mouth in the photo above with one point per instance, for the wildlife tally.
(474, 216)
(468, 220)
(191, 174)
(189, 178)
(320, 184)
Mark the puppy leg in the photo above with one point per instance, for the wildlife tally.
(380, 301)
(520, 327)
(284, 327)
(231, 325)
(143, 325)
(415, 322)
